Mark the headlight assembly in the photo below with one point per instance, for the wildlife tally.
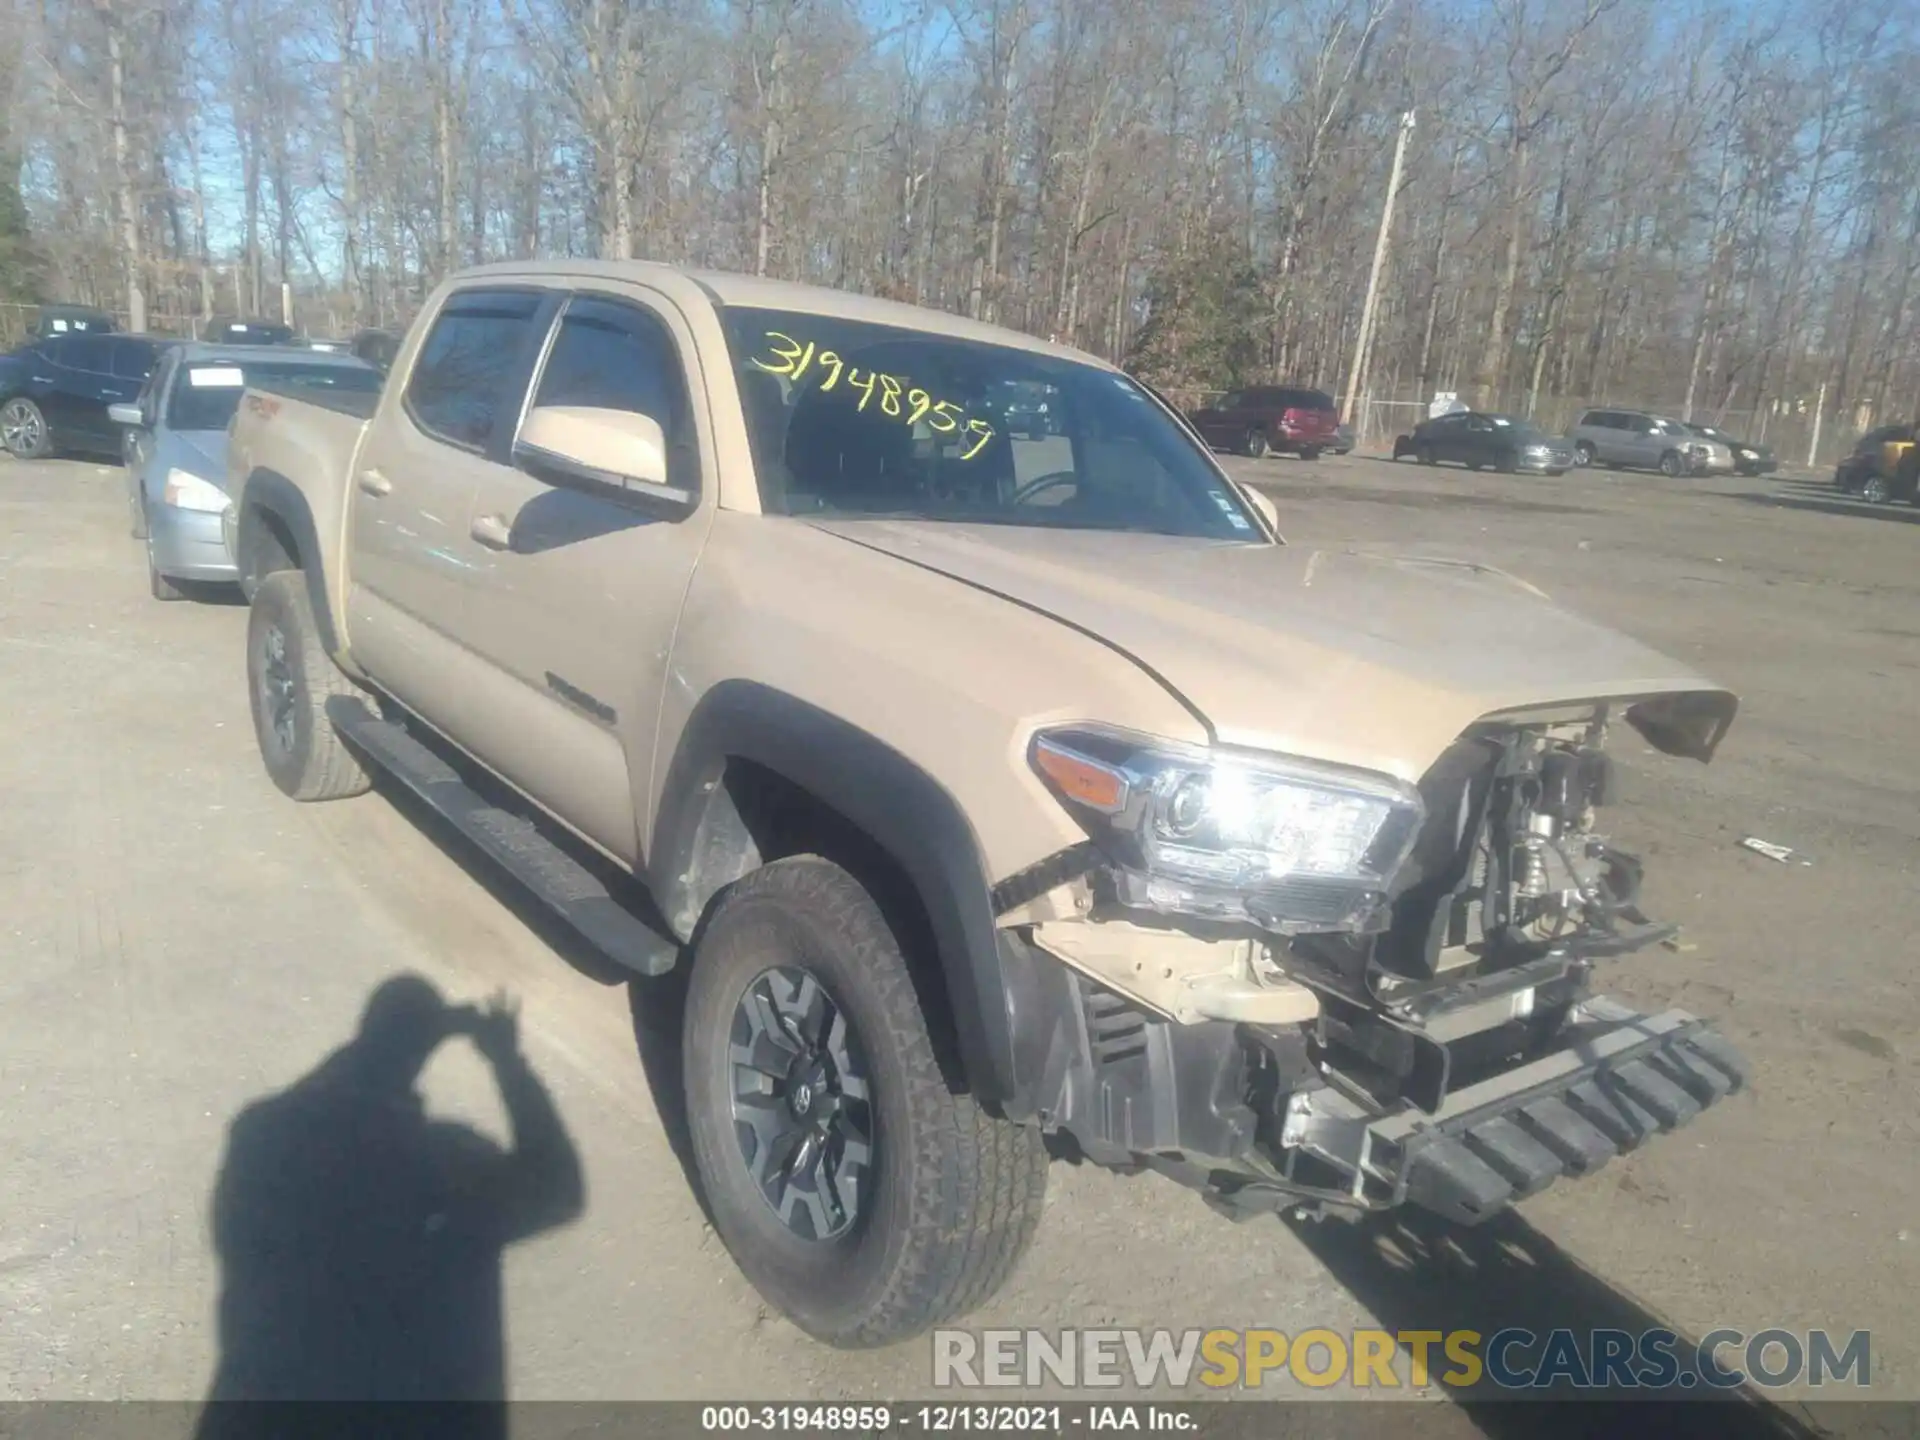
(1291, 845)
(187, 491)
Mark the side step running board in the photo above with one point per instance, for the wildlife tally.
(561, 883)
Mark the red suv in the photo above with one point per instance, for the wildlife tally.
(1264, 418)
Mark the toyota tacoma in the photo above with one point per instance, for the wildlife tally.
(1001, 787)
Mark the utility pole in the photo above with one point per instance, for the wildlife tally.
(1363, 343)
(1819, 410)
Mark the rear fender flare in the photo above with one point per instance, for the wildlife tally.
(898, 806)
(272, 498)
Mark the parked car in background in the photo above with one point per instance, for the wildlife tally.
(54, 393)
(249, 332)
(1883, 465)
(1749, 458)
(1263, 419)
(71, 320)
(177, 455)
(1640, 440)
(1480, 440)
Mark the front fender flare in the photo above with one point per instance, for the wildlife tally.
(899, 806)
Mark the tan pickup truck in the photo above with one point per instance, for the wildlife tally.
(996, 780)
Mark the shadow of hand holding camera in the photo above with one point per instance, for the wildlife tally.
(359, 1239)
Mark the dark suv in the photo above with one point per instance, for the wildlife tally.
(54, 393)
(1265, 418)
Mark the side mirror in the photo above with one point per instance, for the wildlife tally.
(613, 452)
(125, 414)
(1264, 505)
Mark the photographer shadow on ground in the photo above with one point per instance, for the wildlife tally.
(360, 1240)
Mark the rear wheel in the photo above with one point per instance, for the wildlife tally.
(1255, 445)
(24, 430)
(1312, 452)
(859, 1194)
(290, 678)
(1875, 490)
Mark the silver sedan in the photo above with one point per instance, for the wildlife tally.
(176, 448)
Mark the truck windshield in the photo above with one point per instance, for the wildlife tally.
(205, 394)
(849, 418)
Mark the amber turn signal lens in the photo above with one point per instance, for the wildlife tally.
(1079, 779)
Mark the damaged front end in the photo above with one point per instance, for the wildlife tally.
(1289, 984)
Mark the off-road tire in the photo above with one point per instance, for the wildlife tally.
(161, 586)
(953, 1194)
(312, 763)
(1674, 465)
(1254, 447)
(1583, 454)
(29, 437)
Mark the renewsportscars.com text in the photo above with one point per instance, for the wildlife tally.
(1513, 1359)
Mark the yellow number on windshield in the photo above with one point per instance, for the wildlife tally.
(792, 359)
(984, 431)
(789, 355)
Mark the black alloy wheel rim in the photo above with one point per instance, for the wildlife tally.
(277, 688)
(802, 1111)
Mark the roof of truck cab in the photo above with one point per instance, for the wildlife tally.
(755, 291)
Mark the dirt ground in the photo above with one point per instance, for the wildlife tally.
(179, 941)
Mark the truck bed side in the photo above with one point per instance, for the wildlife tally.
(290, 458)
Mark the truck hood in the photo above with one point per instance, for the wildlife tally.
(1374, 658)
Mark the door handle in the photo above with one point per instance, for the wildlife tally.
(374, 483)
(492, 532)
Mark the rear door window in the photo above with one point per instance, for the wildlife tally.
(92, 353)
(463, 381)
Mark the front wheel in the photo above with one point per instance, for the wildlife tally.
(24, 430)
(858, 1193)
(1583, 454)
(1255, 446)
(290, 677)
(1424, 454)
(1876, 491)
(1673, 465)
